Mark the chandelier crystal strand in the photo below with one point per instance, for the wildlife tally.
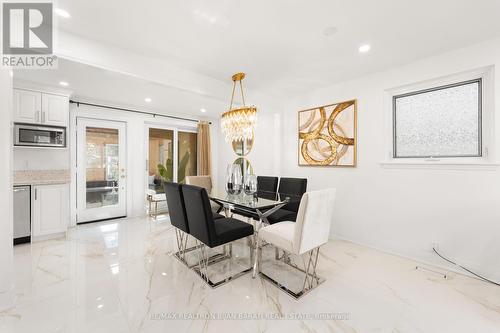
(238, 123)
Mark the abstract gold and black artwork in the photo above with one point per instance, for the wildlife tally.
(327, 135)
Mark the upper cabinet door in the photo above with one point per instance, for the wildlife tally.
(27, 106)
(55, 110)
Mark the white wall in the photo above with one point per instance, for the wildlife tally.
(402, 210)
(136, 152)
(6, 224)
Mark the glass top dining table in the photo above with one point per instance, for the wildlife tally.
(261, 204)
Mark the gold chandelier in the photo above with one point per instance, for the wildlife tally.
(238, 123)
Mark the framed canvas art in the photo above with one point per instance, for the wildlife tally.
(327, 135)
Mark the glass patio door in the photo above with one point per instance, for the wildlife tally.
(101, 170)
(160, 156)
(171, 152)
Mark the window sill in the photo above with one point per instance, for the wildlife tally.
(440, 165)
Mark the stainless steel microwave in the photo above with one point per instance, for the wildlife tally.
(39, 136)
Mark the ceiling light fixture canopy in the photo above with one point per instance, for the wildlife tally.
(238, 123)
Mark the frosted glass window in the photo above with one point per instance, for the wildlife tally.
(439, 122)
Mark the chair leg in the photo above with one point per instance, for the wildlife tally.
(183, 250)
(204, 262)
(310, 270)
(257, 257)
(306, 279)
(311, 280)
(199, 256)
(249, 241)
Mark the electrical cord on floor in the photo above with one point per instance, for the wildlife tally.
(465, 269)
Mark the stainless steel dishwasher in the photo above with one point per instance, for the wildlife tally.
(22, 214)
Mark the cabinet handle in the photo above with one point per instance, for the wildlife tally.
(43, 117)
(38, 116)
(36, 194)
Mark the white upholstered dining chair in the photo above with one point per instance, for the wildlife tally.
(200, 181)
(303, 237)
(206, 183)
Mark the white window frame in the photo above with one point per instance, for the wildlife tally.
(486, 74)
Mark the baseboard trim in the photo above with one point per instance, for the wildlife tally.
(449, 268)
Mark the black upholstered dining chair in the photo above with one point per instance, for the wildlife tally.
(178, 218)
(209, 231)
(294, 189)
(267, 187)
(177, 214)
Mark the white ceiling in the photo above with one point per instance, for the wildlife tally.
(280, 43)
(94, 84)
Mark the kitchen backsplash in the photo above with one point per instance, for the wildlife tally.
(41, 177)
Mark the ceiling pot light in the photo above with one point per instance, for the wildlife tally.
(238, 123)
(203, 110)
(329, 31)
(147, 100)
(64, 83)
(62, 13)
(364, 48)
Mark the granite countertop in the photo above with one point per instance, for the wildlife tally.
(41, 177)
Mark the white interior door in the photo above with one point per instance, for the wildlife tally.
(101, 170)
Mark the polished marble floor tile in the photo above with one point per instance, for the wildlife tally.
(121, 276)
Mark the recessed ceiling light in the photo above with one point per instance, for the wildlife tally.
(203, 110)
(364, 48)
(62, 13)
(64, 83)
(147, 100)
(329, 31)
(205, 16)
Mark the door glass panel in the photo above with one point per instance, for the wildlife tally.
(187, 160)
(160, 153)
(102, 169)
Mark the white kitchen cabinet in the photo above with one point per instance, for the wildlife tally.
(50, 209)
(34, 107)
(27, 106)
(55, 110)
